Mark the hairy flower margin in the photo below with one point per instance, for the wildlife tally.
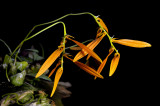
(87, 50)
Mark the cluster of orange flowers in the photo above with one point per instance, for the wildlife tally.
(88, 50)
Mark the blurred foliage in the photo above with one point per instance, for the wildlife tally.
(22, 88)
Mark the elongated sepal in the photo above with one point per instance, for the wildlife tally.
(100, 68)
(131, 43)
(59, 63)
(49, 61)
(86, 68)
(114, 64)
(56, 80)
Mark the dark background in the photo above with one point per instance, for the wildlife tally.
(133, 80)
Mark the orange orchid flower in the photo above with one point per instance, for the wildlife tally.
(86, 68)
(114, 64)
(132, 43)
(91, 46)
(100, 68)
(59, 63)
(56, 79)
(49, 61)
(102, 23)
(93, 54)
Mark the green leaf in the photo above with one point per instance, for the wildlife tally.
(7, 60)
(18, 79)
(32, 50)
(41, 77)
(21, 65)
(12, 70)
(29, 60)
(36, 57)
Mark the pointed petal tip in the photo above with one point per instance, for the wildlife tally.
(102, 77)
(100, 61)
(74, 60)
(149, 45)
(36, 76)
(110, 74)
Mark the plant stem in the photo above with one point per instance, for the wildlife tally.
(45, 30)
(7, 75)
(6, 45)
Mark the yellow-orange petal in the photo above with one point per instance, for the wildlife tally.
(89, 51)
(49, 61)
(56, 79)
(59, 63)
(100, 68)
(132, 43)
(114, 64)
(86, 68)
(102, 23)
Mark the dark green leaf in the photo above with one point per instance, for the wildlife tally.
(41, 77)
(32, 50)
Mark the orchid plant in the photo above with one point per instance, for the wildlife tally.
(84, 50)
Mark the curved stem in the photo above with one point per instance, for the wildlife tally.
(110, 38)
(7, 75)
(19, 46)
(6, 45)
(45, 30)
(27, 38)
